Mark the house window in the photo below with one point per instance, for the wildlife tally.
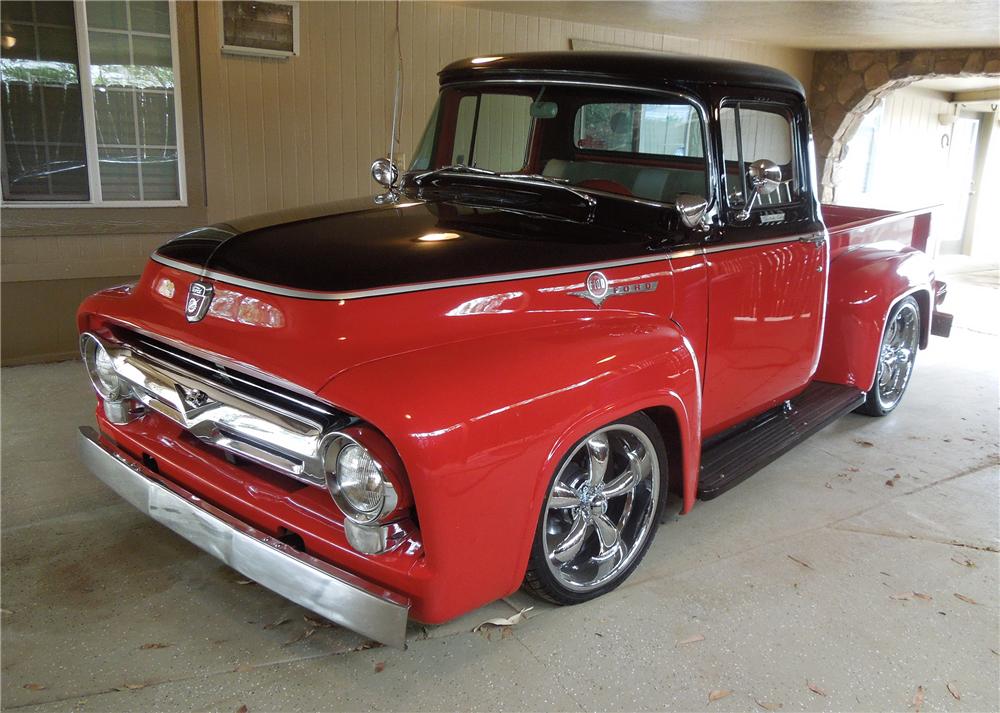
(91, 108)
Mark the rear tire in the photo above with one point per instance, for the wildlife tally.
(600, 512)
(897, 355)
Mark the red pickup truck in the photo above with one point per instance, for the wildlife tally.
(603, 277)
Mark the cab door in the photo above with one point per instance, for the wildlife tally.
(766, 266)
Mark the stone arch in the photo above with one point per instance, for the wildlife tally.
(849, 84)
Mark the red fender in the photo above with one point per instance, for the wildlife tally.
(481, 424)
(865, 283)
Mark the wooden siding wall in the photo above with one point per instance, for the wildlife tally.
(908, 148)
(281, 133)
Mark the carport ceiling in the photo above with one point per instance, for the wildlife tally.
(819, 24)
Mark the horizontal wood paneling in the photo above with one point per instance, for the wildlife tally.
(281, 133)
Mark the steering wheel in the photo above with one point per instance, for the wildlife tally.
(606, 185)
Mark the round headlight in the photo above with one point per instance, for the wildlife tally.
(100, 367)
(359, 483)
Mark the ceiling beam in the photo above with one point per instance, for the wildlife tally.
(980, 95)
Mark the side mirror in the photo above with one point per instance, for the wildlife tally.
(765, 177)
(385, 173)
(691, 209)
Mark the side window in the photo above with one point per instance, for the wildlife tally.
(758, 131)
(492, 131)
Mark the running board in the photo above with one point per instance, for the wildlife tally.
(738, 453)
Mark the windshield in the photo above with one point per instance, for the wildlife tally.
(648, 146)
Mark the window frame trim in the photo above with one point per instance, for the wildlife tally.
(90, 126)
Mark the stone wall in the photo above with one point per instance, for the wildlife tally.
(849, 84)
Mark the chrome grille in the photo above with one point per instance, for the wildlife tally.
(238, 413)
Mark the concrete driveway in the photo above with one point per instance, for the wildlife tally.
(859, 572)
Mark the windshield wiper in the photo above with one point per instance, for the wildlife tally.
(454, 168)
(517, 177)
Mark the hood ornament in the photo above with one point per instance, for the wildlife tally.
(199, 299)
(598, 288)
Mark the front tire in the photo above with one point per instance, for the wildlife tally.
(897, 354)
(600, 513)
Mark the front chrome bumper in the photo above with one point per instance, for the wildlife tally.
(329, 591)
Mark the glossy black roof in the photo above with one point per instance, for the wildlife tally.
(639, 67)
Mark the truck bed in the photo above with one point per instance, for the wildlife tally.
(849, 226)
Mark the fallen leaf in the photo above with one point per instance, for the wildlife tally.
(816, 689)
(918, 699)
(924, 597)
(242, 709)
(304, 635)
(801, 562)
(967, 600)
(691, 639)
(767, 706)
(318, 623)
(157, 645)
(854, 470)
(276, 624)
(954, 692)
(379, 666)
(864, 444)
(965, 562)
(890, 483)
(34, 686)
(716, 695)
(243, 581)
(508, 621)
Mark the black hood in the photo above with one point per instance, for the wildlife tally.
(360, 245)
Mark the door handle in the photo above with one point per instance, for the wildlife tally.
(816, 239)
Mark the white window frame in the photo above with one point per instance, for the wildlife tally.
(261, 52)
(90, 126)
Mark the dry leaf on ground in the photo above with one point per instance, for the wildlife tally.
(34, 686)
(801, 562)
(691, 639)
(767, 706)
(890, 483)
(504, 621)
(816, 689)
(155, 645)
(864, 444)
(953, 690)
(318, 623)
(922, 596)
(379, 666)
(304, 635)
(918, 699)
(242, 709)
(716, 695)
(276, 624)
(967, 600)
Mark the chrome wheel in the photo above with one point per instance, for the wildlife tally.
(601, 507)
(899, 351)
